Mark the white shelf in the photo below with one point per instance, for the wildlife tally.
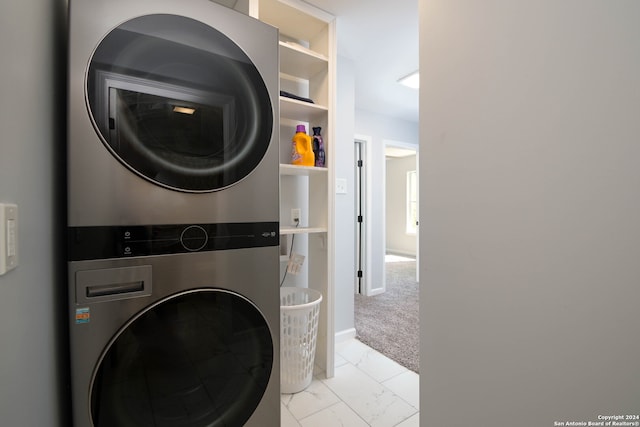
(299, 61)
(295, 170)
(300, 110)
(302, 230)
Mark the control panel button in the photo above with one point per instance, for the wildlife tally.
(194, 238)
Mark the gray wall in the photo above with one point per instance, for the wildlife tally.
(397, 239)
(530, 207)
(31, 337)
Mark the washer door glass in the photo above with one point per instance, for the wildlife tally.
(179, 103)
(197, 359)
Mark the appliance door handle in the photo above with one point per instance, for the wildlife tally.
(114, 289)
(108, 284)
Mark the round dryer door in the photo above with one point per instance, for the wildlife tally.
(202, 358)
(179, 103)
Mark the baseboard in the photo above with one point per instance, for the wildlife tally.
(345, 335)
(400, 253)
(376, 291)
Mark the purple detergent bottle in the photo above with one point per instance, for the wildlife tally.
(318, 147)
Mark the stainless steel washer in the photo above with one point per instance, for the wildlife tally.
(172, 215)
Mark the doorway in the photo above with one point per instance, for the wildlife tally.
(401, 202)
(386, 178)
(386, 206)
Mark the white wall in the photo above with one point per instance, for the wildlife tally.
(530, 206)
(398, 241)
(345, 268)
(32, 340)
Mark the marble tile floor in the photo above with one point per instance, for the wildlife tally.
(368, 389)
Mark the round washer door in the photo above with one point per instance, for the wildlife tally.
(196, 359)
(179, 103)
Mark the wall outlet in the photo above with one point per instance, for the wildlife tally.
(295, 216)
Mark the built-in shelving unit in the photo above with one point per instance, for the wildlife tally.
(307, 69)
(307, 56)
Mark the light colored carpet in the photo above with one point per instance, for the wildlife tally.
(388, 322)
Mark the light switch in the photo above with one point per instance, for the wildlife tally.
(8, 237)
(341, 186)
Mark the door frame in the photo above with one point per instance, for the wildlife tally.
(374, 158)
(364, 243)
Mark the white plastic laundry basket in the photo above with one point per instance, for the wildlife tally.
(299, 311)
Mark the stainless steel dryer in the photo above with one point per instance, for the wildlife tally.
(172, 215)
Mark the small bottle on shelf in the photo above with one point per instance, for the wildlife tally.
(318, 147)
(301, 150)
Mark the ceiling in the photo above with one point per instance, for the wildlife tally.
(381, 38)
(398, 152)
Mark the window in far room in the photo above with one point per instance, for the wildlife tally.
(412, 202)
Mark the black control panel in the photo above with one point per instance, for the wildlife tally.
(102, 242)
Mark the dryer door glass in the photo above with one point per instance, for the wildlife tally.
(202, 358)
(179, 103)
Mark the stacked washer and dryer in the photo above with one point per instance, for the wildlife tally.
(172, 215)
